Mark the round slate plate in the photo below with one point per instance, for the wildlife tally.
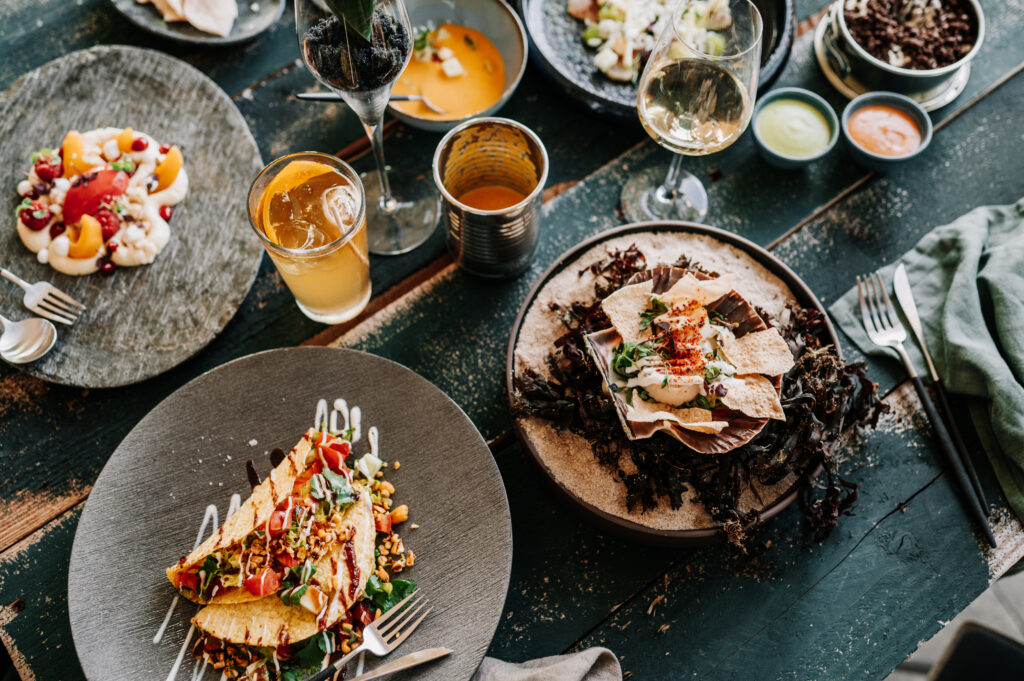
(140, 321)
(247, 26)
(556, 43)
(190, 451)
(600, 517)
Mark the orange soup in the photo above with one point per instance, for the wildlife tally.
(491, 197)
(457, 68)
(884, 130)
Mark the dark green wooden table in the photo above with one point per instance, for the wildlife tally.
(849, 608)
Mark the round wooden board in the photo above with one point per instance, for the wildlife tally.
(140, 321)
(600, 517)
(147, 504)
(247, 26)
(556, 44)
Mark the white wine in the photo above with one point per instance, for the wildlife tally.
(693, 106)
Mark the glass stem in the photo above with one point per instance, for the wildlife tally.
(375, 131)
(670, 188)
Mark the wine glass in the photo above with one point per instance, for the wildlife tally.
(696, 96)
(358, 49)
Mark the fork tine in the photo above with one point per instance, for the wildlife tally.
(869, 326)
(893, 318)
(413, 608)
(412, 627)
(875, 305)
(50, 307)
(398, 606)
(51, 316)
(65, 297)
(59, 304)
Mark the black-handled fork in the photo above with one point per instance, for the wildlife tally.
(885, 330)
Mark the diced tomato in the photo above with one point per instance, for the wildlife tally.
(304, 477)
(212, 644)
(188, 580)
(383, 522)
(280, 521)
(285, 652)
(361, 613)
(331, 458)
(266, 582)
(288, 560)
(91, 190)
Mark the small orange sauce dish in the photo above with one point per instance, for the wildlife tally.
(884, 129)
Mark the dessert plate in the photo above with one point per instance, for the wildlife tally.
(141, 321)
(565, 459)
(253, 18)
(556, 45)
(190, 452)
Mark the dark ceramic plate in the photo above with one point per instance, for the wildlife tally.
(247, 26)
(143, 320)
(556, 44)
(190, 451)
(599, 517)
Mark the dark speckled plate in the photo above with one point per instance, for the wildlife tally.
(248, 25)
(147, 505)
(143, 320)
(556, 44)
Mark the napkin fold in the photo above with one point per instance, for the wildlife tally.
(592, 664)
(968, 283)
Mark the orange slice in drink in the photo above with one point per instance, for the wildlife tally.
(290, 177)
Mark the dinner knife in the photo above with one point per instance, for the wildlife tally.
(905, 297)
(402, 663)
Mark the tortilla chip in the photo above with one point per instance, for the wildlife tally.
(709, 427)
(624, 306)
(253, 512)
(211, 16)
(269, 622)
(759, 352)
(649, 412)
(704, 291)
(755, 396)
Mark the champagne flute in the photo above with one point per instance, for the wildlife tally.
(358, 49)
(696, 96)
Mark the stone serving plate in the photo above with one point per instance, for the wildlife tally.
(247, 26)
(148, 503)
(556, 43)
(141, 321)
(689, 538)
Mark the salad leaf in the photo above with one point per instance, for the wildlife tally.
(211, 570)
(299, 575)
(647, 316)
(293, 596)
(626, 355)
(308, 658)
(382, 598)
(357, 14)
(340, 486)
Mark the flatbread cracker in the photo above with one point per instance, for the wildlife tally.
(709, 427)
(760, 352)
(704, 291)
(624, 307)
(642, 410)
(755, 396)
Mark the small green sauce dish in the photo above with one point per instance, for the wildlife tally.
(767, 141)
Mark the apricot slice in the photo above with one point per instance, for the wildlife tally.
(290, 177)
(168, 169)
(89, 240)
(74, 148)
(125, 139)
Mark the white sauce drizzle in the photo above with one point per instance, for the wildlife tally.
(321, 415)
(373, 436)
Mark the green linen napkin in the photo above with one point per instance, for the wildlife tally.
(968, 282)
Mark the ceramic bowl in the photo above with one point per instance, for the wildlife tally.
(779, 159)
(871, 160)
(495, 19)
(881, 75)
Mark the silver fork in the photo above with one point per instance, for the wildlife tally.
(885, 329)
(46, 300)
(383, 635)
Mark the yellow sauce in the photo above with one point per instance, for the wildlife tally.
(491, 197)
(458, 96)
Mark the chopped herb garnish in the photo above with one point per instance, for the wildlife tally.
(656, 308)
(385, 599)
(469, 41)
(422, 39)
(626, 357)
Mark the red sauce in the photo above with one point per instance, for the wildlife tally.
(350, 561)
(884, 130)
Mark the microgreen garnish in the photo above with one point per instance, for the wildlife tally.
(657, 307)
(469, 41)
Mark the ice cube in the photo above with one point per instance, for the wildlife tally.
(340, 206)
(301, 235)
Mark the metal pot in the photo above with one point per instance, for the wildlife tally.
(848, 58)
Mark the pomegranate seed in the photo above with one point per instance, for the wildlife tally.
(106, 267)
(48, 169)
(109, 222)
(164, 148)
(112, 246)
(166, 212)
(35, 216)
(56, 229)
(139, 144)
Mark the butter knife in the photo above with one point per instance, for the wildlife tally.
(402, 663)
(901, 284)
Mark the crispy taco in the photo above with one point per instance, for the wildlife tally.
(307, 520)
